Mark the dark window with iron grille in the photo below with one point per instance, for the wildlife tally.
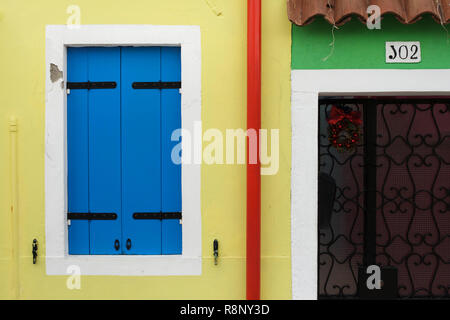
(390, 203)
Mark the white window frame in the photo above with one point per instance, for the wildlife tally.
(307, 87)
(58, 38)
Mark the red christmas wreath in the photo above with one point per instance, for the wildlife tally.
(344, 130)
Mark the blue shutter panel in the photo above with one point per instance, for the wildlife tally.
(141, 144)
(77, 150)
(171, 173)
(104, 150)
(119, 150)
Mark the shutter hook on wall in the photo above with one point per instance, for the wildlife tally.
(216, 251)
(35, 249)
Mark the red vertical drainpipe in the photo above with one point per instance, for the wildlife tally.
(253, 170)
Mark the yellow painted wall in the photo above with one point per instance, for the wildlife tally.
(223, 30)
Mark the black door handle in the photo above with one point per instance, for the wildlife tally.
(117, 245)
(128, 244)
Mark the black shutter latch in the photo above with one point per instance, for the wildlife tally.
(35, 250)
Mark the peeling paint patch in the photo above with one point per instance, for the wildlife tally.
(55, 73)
(215, 6)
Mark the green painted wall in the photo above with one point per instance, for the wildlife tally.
(357, 47)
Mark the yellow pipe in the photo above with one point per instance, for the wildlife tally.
(15, 283)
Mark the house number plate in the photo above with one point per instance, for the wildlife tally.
(403, 52)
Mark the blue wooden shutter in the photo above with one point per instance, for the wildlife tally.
(141, 149)
(77, 150)
(93, 130)
(171, 173)
(104, 150)
(119, 150)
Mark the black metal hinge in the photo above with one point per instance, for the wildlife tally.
(156, 85)
(157, 216)
(91, 216)
(91, 85)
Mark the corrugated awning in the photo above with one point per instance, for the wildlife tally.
(338, 12)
